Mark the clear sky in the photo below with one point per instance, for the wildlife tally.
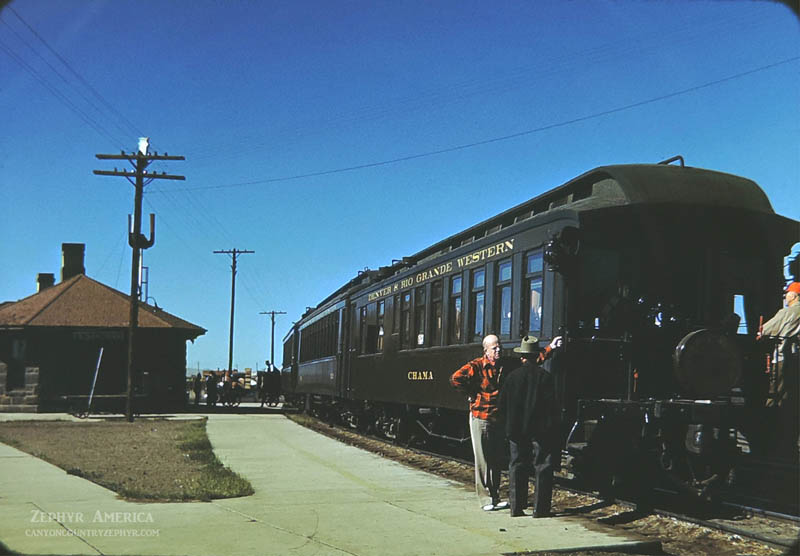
(331, 136)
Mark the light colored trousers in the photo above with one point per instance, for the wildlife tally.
(488, 443)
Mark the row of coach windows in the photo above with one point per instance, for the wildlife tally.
(318, 339)
(418, 315)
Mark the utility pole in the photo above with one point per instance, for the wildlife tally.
(233, 253)
(140, 160)
(272, 346)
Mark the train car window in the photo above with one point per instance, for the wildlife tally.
(436, 312)
(533, 292)
(288, 352)
(535, 262)
(738, 308)
(319, 338)
(503, 299)
(477, 306)
(456, 314)
(419, 315)
(405, 324)
(381, 315)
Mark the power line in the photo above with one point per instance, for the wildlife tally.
(131, 128)
(60, 96)
(456, 148)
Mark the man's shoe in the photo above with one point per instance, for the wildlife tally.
(489, 508)
(501, 506)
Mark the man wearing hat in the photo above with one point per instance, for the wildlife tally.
(528, 403)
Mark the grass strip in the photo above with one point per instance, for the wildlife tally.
(150, 459)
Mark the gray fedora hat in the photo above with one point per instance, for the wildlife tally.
(529, 344)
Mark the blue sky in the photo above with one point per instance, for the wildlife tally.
(329, 136)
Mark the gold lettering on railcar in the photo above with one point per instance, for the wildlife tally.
(380, 293)
(497, 250)
(420, 375)
(486, 253)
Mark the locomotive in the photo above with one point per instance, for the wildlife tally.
(656, 275)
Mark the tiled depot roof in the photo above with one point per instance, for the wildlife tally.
(83, 302)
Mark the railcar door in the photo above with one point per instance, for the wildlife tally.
(344, 348)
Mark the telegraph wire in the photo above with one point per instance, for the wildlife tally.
(60, 96)
(502, 138)
(131, 128)
(58, 73)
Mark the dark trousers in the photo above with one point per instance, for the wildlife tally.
(529, 456)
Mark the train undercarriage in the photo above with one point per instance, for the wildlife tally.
(630, 447)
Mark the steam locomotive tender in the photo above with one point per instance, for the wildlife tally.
(655, 274)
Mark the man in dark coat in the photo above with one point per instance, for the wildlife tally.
(528, 401)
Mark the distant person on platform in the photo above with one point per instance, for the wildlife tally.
(197, 386)
(275, 386)
(529, 407)
(211, 389)
(785, 328)
(263, 392)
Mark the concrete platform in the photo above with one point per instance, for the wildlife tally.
(313, 495)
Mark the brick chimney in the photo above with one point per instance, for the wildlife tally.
(72, 260)
(44, 280)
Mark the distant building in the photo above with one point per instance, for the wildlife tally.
(50, 345)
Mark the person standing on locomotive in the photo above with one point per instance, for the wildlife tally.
(480, 380)
(529, 408)
(785, 326)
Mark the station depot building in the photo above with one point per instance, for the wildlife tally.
(54, 342)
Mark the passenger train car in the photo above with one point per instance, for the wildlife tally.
(655, 274)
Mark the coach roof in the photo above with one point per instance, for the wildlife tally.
(618, 185)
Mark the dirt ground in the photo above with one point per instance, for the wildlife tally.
(678, 538)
